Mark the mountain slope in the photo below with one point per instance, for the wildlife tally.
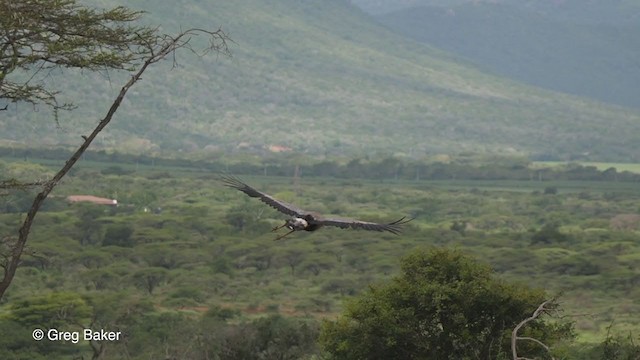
(582, 49)
(592, 11)
(323, 77)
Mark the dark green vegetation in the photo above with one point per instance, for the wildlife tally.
(323, 77)
(442, 306)
(587, 49)
(186, 266)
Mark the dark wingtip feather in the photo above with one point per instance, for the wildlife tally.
(234, 182)
(231, 181)
(395, 227)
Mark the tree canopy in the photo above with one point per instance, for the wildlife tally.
(37, 36)
(443, 305)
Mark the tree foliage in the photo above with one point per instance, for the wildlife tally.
(50, 310)
(443, 305)
(40, 35)
(118, 235)
(549, 234)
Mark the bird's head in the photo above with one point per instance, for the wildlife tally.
(296, 224)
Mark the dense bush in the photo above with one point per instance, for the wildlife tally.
(118, 235)
(443, 305)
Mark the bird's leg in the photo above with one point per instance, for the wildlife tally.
(279, 227)
(281, 236)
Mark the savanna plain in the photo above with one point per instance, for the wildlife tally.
(182, 255)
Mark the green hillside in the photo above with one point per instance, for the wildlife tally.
(563, 48)
(593, 11)
(323, 78)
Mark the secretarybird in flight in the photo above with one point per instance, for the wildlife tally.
(307, 220)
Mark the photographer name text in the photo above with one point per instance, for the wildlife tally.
(75, 336)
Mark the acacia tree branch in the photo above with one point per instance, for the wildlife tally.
(38, 35)
(535, 341)
(542, 309)
(158, 50)
(15, 184)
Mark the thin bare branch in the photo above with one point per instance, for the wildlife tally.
(535, 341)
(162, 46)
(542, 309)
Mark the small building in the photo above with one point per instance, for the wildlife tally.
(92, 199)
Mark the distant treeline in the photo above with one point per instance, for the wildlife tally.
(361, 168)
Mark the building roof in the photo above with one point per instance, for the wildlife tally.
(91, 199)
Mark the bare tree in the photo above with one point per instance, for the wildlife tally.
(143, 46)
(544, 308)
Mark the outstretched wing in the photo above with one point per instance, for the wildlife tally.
(392, 227)
(281, 206)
